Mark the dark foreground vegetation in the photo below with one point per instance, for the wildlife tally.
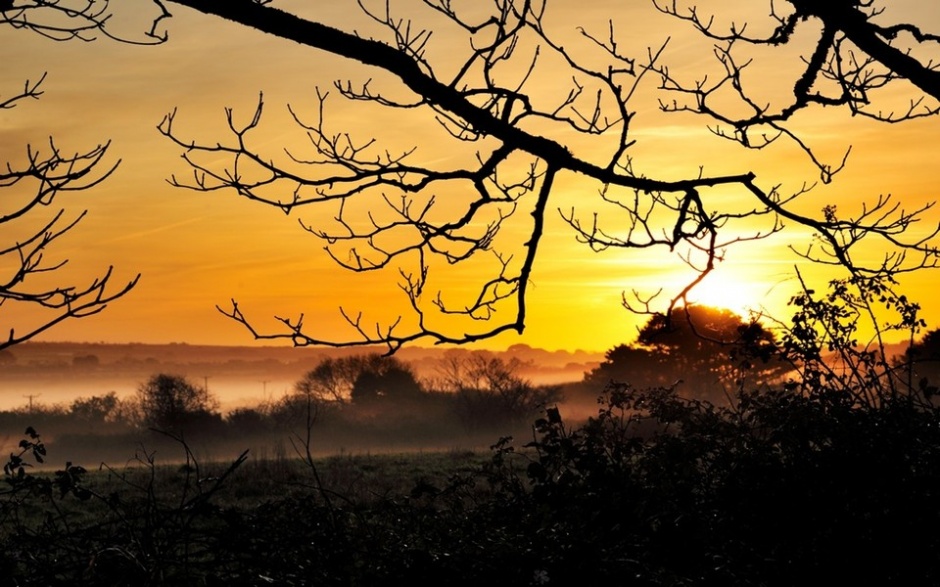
(827, 472)
(780, 489)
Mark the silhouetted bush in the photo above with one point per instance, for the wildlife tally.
(248, 421)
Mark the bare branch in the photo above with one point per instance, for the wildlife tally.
(390, 209)
(852, 61)
(31, 186)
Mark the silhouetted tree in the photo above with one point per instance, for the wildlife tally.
(519, 141)
(927, 348)
(711, 351)
(856, 58)
(692, 334)
(332, 380)
(97, 408)
(247, 421)
(171, 402)
(921, 363)
(384, 379)
(627, 363)
(488, 391)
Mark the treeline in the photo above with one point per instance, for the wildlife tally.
(355, 402)
(367, 401)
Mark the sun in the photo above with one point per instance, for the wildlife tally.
(724, 289)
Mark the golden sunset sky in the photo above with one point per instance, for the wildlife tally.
(195, 250)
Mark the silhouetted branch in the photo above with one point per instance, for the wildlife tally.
(84, 20)
(852, 61)
(487, 102)
(30, 186)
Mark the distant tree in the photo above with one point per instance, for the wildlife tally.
(171, 402)
(709, 350)
(384, 378)
(707, 338)
(927, 348)
(624, 363)
(332, 380)
(295, 410)
(97, 408)
(920, 365)
(488, 390)
(247, 420)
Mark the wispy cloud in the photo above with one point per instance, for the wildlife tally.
(151, 231)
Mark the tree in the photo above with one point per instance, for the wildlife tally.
(488, 390)
(515, 144)
(29, 186)
(384, 379)
(333, 379)
(921, 361)
(7, 358)
(629, 364)
(357, 379)
(708, 352)
(96, 409)
(709, 348)
(171, 402)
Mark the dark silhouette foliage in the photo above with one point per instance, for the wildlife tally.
(97, 408)
(704, 352)
(921, 361)
(247, 421)
(385, 379)
(782, 489)
(829, 476)
(489, 394)
(171, 402)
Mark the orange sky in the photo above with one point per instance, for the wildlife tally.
(196, 250)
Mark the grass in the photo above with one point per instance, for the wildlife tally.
(146, 523)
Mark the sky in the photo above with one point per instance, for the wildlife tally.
(196, 250)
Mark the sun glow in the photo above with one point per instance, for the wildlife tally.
(731, 292)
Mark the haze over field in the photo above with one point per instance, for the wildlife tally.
(58, 373)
